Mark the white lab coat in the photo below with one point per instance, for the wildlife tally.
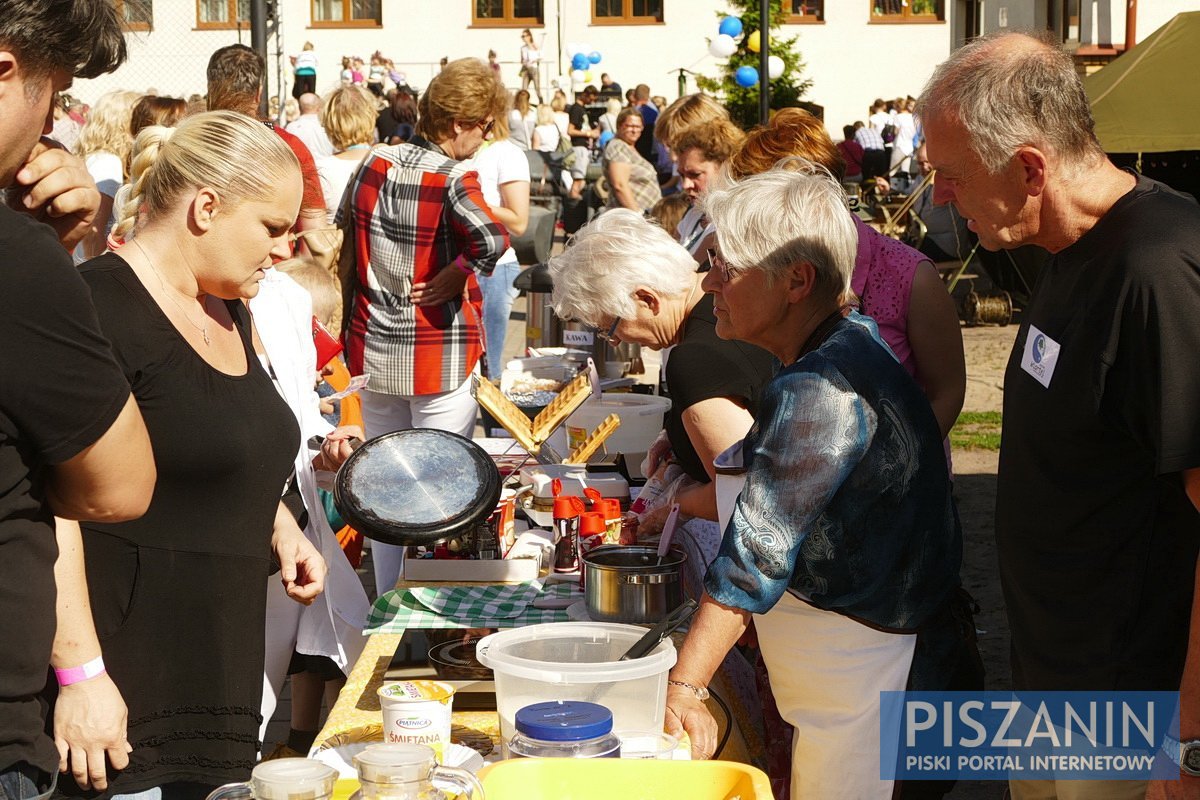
(332, 625)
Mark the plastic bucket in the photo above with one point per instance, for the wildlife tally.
(641, 420)
(578, 661)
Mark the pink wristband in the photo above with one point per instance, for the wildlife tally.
(85, 672)
(458, 262)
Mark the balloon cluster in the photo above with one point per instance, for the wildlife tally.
(583, 58)
(725, 44)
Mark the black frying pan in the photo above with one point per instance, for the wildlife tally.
(416, 487)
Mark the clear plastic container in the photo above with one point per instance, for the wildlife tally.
(578, 661)
(648, 745)
(564, 729)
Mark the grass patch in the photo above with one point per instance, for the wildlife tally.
(976, 430)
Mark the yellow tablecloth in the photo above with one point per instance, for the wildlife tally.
(356, 717)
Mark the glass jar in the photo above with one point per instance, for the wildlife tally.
(410, 772)
(564, 729)
(282, 779)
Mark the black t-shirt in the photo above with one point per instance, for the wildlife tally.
(60, 391)
(703, 366)
(577, 114)
(223, 446)
(1096, 538)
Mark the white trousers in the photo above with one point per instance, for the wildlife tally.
(826, 673)
(453, 411)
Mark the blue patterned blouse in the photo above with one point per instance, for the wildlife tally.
(847, 500)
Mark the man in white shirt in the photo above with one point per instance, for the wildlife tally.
(307, 127)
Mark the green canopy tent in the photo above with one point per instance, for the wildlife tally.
(1148, 100)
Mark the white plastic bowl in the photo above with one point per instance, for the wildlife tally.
(641, 419)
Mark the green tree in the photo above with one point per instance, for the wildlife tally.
(786, 90)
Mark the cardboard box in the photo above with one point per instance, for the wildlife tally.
(502, 570)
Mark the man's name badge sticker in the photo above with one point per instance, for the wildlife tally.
(1041, 356)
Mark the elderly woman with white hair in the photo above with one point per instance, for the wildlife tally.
(843, 542)
(628, 277)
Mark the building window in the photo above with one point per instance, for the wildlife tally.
(806, 11)
(507, 13)
(346, 13)
(137, 15)
(222, 13)
(627, 12)
(907, 11)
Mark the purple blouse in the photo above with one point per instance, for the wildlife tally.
(883, 279)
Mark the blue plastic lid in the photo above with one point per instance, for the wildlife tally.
(564, 721)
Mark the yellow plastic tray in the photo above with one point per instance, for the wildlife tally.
(607, 778)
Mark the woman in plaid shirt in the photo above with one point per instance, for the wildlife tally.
(422, 231)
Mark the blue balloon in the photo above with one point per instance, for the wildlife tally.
(746, 76)
(731, 26)
(580, 61)
(594, 57)
(605, 138)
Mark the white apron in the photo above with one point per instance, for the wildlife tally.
(826, 673)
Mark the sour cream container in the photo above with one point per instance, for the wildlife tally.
(417, 712)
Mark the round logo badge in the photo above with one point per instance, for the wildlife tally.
(1039, 348)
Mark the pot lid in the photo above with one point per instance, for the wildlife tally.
(415, 487)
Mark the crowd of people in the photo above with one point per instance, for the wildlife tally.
(167, 553)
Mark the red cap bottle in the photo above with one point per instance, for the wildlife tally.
(567, 509)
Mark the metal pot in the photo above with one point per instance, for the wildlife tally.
(627, 584)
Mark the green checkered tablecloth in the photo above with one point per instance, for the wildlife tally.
(491, 606)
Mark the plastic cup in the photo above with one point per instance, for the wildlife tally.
(417, 712)
(648, 745)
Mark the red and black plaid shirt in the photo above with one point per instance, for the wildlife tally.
(416, 211)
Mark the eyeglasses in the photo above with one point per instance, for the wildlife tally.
(486, 126)
(611, 334)
(716, 260)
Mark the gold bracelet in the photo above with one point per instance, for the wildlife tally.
(700, 691)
